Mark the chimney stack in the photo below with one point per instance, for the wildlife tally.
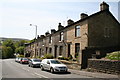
(83, 15)
(38, 37)
(53, 31)
(70, 22)
(47, 33)
(104, 6)
(42, 36)
(60, 26)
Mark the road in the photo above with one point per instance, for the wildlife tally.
(12, 69)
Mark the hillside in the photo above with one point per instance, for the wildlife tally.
(14, 39)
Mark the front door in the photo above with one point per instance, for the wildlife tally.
(69, 49)
(55, 52)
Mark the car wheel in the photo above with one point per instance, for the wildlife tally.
(42, 68)
(32, 65)
(51, 70)
(28, 65)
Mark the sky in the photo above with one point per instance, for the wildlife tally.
(17, 15)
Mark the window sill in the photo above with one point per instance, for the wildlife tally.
(77, 37)
(61, 41)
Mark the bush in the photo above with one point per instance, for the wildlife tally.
(113, 55)
(63, 58)
(48, 56)
(70, 57)
(20, 56)
(76, 55)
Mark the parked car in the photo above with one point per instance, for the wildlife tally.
(19, 59)
(24, 60)
(53, 65)
(16, 59)
(34, 63)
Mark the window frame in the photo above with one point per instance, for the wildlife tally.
(61, 36)
(77, 29)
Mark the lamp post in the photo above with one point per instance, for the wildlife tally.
(35, 30)
(35, 37)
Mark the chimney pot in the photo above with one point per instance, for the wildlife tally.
(104, 6)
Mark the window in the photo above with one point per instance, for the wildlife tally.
(107, 32)
(77, 31)
(61, 36)
(77, 49)
(46, 49)
(60, 50)
(50, 50)
(50, 39)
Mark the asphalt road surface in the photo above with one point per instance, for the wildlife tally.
(12, 69)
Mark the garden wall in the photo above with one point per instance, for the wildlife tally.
(105, 66)
(71, 64)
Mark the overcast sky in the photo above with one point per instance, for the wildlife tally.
(17, 15)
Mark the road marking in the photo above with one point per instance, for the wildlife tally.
(27, 70)
(24, 69)
(40, 75)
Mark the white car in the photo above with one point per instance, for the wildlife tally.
(16, 59)
(53, 65)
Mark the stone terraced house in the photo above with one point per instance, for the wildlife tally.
(90, 37)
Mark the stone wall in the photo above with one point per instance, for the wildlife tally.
(105, 66)
(71, 64)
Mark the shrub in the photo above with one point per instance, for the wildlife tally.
(48, 56)
(113, 55)
(76, 55)
(63, 58)
(70, 57)
(20, 56)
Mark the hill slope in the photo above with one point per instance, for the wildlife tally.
(14, 39)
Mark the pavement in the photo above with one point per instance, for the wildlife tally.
(94, 74)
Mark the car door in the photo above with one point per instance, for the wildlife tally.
(44, 64)
(48, 65)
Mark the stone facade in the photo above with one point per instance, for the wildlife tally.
(85, 37)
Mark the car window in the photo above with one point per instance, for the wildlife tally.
(25, 59)
(37, 60)
(48, 62)
(55, 62)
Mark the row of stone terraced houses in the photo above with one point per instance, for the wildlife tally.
(91, 36)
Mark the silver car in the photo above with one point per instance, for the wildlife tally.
(34, 62)
(53, 65)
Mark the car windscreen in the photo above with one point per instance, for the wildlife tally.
(55, 62)
(37, 60)
(25, 59)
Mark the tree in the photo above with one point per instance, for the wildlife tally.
(9, 43)
(8, 49)
(7, 52)
(20, 50)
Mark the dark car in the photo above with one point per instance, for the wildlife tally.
(24, 60)
(34, 63)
